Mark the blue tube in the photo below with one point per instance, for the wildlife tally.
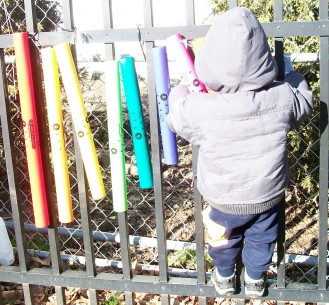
(162, 85)
(137, 124)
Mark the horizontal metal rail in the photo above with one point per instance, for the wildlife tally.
(151, 284)
(272, 29)
(148, 242)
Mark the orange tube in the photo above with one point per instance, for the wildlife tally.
(31, 132)
(56, 131)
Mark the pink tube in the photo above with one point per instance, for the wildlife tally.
(182, 56)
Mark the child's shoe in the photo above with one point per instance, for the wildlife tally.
(224, 285)
(254, 288)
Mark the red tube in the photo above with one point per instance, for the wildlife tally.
(31, 132)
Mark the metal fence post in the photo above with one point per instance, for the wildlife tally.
(324, 135)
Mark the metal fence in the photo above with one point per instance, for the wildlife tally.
(157, 246)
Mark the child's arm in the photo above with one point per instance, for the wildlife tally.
(303, 97)
(179, 116)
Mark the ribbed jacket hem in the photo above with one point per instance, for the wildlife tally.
(247, 209)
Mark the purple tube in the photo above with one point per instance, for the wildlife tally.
(162, 85)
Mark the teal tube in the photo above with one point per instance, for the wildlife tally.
(137, 123)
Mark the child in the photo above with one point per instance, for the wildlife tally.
(241, 130)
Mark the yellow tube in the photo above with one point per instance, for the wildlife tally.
(56, 131)
(79, 117)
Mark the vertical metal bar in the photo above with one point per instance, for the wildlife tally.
(148, 13)
(11, 166)
(156, 157)
(157, 168)
(82, 183)
(324, 135)
(157, 171)
(278, 43)
(30, 16)
(88, 239)
(281, 248)
(93, 297)
(125, 247)
(125, 253)
(69, 23)
(31, 25)
(60, 291)
(28, 294)
(199, 227)
(68, 15)
(232, 3)
(60, 295)
(108, 24)
(156, 153)
(122, 217)
(19, 230)
(82, 187)
(1, 298)
(202, 301)
(278, 10)
(239, 273)
(198, 205)
(110, 55)
(165, 299)
(190, 12)
(45, 153)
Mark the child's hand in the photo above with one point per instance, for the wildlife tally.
(287, 66)
(215, 233)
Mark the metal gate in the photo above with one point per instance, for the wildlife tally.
(158, 245)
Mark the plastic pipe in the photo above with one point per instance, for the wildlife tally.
(182, 56)
(80, 121)
(31, 132)
(116, 142)
(162, 86)
(56, 131)
(135, 112)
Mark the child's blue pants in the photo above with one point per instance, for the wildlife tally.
(254, 235)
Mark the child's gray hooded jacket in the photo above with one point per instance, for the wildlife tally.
(241, 129)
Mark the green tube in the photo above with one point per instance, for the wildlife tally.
(116, 143)
(137, 124)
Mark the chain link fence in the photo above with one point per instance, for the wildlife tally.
(302, 213)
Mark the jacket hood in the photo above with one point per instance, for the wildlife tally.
(235, 55)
